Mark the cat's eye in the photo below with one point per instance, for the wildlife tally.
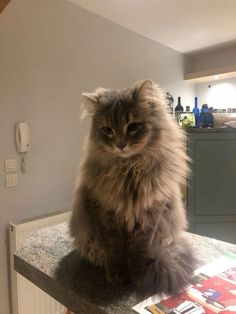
(108, 130)
(133, 127)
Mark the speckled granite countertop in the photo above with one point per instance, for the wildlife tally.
(47, 259)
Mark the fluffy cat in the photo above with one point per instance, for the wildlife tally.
(128, 215)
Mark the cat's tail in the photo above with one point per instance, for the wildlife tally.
(168, 270)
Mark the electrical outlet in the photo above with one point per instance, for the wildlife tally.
(11, 180)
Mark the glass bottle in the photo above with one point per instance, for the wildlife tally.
(196, 112)
(204, 116)
(179, 107)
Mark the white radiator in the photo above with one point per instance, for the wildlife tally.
(26, 297)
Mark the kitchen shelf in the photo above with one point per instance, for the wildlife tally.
(211, 75)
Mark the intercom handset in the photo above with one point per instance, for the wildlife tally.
(23, 139)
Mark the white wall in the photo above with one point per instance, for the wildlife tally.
(221, 94)
(51, 51)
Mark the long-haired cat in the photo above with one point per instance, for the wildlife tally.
(128, 215)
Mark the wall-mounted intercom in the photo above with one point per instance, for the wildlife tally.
(23, 139)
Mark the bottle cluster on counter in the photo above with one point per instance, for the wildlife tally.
(198, 118)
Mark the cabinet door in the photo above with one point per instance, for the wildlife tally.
(212, 186)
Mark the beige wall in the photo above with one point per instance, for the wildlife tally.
(51, 51)
(214, 58)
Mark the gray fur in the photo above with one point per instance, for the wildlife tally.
(128, 214)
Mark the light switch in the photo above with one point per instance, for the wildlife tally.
(11, 180)
(10, 165)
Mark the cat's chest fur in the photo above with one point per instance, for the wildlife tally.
(127, 189)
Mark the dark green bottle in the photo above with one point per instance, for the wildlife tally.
(179, 107)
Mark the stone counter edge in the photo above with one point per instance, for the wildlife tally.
(53, 288)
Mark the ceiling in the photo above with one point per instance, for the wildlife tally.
(184, 25)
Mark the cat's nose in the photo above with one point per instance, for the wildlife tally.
(121, 145)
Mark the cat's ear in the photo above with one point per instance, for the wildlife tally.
(143, 90)
(89, 104)
(93, 102)
(91, 96)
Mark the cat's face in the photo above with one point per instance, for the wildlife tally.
(122, 129)
(124, 123)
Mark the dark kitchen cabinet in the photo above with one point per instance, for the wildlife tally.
(211, 194)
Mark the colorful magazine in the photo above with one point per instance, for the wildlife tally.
(213, 291)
